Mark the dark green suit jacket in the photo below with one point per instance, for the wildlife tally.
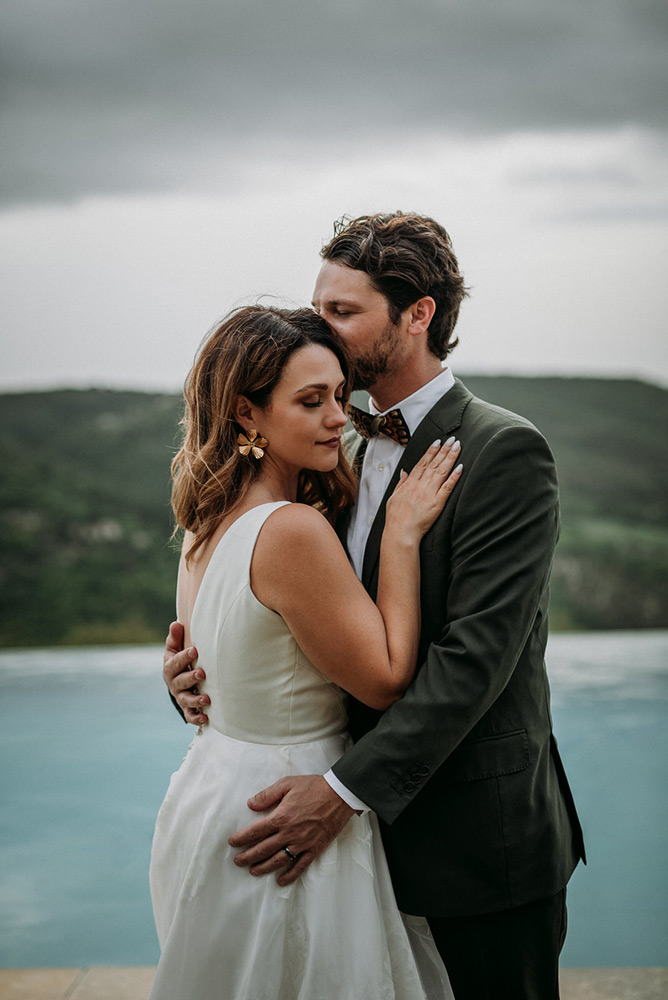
(463, 771)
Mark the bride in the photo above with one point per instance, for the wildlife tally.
(284, 629)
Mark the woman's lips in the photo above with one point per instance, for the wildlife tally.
(331, 443)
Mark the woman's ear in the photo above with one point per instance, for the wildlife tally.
(242, 410)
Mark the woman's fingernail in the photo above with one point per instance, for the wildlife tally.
(199, 675)
(191, 653)
(459, 468)
(456, 446)
(450, 441)
(436, 443)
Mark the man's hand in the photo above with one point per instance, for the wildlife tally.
(308, 816)
(182, 678)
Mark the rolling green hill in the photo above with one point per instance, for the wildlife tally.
(85, 520)
(85, 517)
(609, 441)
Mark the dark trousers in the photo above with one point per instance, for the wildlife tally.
(512, 955)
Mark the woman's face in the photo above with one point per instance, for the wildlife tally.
(304, 418)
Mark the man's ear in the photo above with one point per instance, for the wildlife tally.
(242, 411)
(421, 315)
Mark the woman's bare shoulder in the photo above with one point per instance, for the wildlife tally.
(297, 524)
(297, 549)
(296, 516)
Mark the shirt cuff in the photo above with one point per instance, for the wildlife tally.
(344, 793)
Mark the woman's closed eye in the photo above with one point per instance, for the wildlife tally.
(311, 404)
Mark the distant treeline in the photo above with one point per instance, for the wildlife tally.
(85, 522)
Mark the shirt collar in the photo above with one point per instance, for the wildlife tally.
(414, 408)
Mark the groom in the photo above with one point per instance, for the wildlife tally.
(478, 821)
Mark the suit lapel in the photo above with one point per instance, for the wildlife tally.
(442, 420)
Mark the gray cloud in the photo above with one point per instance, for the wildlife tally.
(108, 96)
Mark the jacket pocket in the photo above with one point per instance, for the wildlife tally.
(490, 757)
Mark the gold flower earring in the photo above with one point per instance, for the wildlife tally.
(253, 445)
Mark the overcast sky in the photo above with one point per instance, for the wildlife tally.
(167, 161)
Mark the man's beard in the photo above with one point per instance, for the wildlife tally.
(383, 358)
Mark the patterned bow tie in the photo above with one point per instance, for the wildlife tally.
(391, 424)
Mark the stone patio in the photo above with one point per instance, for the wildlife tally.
(116, 983)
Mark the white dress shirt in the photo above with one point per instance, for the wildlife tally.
(380, 461)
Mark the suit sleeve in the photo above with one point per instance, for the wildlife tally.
(504, 530)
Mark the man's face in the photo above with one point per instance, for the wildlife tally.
(359, 313)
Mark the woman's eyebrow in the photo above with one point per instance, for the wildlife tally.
(319, 385)
(313, 385)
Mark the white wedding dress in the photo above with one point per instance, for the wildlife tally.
(336, 934)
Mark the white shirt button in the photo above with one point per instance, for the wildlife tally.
(381, 466)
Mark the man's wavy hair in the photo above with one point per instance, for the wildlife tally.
(245, 355)
(406, 256)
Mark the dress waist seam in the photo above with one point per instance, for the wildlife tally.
(281, 743)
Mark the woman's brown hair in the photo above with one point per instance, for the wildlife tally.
(245, 355)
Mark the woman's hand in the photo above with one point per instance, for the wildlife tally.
(420, 497)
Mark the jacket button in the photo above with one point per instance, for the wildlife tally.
(417, 778)
(409, 787)
(424, 770)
